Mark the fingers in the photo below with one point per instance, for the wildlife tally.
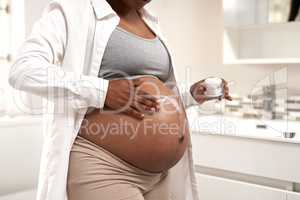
(200, 89)
(147, 104)
(198, 92)
(226, 91)
(228, 97)
(149, 101)
(201, 98)
(224, 82)
(133, 101)
(147, 96)
(144, 97)
(134, 113)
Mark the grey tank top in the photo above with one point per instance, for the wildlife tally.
(128, 55)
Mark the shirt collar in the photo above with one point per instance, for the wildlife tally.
(102, 9)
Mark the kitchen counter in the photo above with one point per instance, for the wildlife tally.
(246, 128)
(241, 161)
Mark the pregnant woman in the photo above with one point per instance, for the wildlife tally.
(115, 125)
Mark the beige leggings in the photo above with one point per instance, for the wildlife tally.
(97, 174)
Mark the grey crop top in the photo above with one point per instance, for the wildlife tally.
(128, 55)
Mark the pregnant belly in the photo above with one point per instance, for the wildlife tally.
(154, 144)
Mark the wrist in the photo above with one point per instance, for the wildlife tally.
(191, 100)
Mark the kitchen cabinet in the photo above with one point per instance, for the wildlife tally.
(248, 156)
(216, 188)
(250, 38)
(293, 196)
(235, 167)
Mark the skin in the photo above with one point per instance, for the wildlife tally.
(198, 89)
(153, 144)
(134, 104)
(122, 94)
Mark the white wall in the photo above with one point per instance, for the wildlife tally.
(246, 13)
(20, 152)
(194, 29)
(33, 10)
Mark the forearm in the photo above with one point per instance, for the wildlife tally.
(39, 77)
(38, 68)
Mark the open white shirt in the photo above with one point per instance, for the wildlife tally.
(50, 65)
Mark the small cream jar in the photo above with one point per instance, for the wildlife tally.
(214, 87)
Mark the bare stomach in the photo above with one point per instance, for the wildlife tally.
(154, 144)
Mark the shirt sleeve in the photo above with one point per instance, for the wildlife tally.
(38, 70)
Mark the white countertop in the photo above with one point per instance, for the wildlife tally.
(246, 128)
(209, 125)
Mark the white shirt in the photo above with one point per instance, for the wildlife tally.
(60, 62)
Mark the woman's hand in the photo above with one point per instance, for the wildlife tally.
(123, 96)
(198, 91)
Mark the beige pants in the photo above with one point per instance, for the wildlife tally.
(97, 174)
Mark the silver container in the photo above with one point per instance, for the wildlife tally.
(289, 134)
